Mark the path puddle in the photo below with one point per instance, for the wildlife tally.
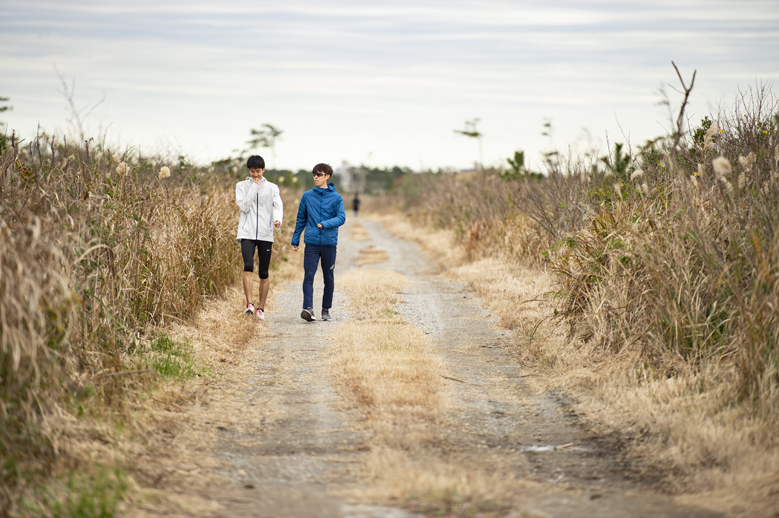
(538, 448)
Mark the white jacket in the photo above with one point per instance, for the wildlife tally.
(260, 206)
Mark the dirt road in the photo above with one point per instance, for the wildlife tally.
(285, 444)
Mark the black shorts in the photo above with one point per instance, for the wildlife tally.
(264, 250)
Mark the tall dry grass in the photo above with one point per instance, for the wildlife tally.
(679, 263)
(483, 211)
(96, 251)
(684, 271)
(666, 275)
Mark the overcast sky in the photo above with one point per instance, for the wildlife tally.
(380, 83)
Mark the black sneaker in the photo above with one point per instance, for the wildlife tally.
(308, 315)
(325, 314)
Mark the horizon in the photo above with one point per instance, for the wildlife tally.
(379, 85)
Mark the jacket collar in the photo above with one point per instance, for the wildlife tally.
(321, 190)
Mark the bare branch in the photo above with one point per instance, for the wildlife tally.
(77, 116)
(680, 118)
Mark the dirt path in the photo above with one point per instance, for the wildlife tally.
(290, 447)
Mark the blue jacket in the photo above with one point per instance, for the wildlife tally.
(320, 206)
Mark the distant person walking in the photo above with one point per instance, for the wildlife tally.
(320, 214)
(356, 204)
(261, 212)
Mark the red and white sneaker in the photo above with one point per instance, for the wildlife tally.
(249, 309)
(260, 314)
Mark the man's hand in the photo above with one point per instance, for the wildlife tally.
(319, 225)
(295, 248)
(258, 181)
(277, 223)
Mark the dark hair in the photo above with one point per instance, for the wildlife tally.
(255, 162)
(323, 168)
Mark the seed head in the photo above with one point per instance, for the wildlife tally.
(637, 174)
(721, 166)
(708, 140)
(747, 161)
(164, 172)
(122, 169)
(742, 181)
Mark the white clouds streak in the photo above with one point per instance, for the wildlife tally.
(392, 78)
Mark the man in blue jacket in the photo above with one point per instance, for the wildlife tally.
(321, 212)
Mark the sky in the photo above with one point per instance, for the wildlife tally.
(375, 82)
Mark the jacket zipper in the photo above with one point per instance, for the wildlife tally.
(257, 228)
(321, 196)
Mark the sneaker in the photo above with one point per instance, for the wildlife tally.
(260, 314)
(249, 309)
(325, 314)
(308, 314)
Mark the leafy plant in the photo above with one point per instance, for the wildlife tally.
(618, 164)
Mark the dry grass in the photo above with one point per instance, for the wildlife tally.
(177, 430)
(385, 365)
(358, 233)
(97, 253)
(386, 369)
(371, 255)
(687, 423)
(663, 266)
(431, 484)
(481, 210)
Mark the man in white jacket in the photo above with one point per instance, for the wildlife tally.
(261, 212)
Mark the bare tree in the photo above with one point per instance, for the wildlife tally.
(265, 137)
(471, 131)
(686, 92)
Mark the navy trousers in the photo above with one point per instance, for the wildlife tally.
(315, 254)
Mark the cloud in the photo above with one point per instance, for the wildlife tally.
(397, 76)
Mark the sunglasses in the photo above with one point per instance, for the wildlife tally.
(319, 173)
